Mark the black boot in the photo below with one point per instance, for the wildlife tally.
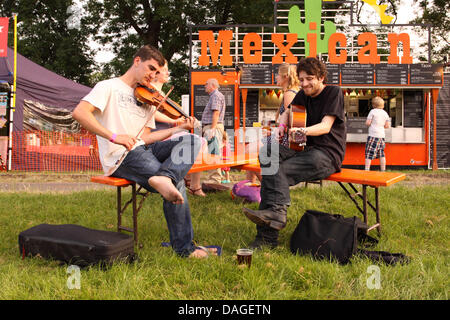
(274, 216)
(265, 236)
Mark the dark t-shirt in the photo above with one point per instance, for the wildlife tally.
(329, 102)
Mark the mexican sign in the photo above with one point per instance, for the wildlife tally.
(306, 32)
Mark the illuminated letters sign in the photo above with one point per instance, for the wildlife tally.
(317, 38)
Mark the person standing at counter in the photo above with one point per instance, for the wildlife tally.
(377, 121)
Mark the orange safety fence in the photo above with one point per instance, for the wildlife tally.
(54, 151)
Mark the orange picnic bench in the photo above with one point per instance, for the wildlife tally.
(208, 163)
(352, 177)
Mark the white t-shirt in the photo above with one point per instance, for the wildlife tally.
(379, 118)
(118, 112)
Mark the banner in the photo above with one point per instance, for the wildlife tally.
(4, 36)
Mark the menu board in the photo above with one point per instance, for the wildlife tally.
(356, 125)
(275, 68)
(394, 74)
(443, 125)
(201, 98)
(426, 73)
(256, 74)
(333, 72)
(413, 109)
(357, 74)
(251, 108)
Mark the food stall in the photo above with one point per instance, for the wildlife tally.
(377, 62)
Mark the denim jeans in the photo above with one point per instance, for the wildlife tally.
(293, 167)
(172, 158)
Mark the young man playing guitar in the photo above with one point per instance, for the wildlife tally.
(124, 127)
(323, 154)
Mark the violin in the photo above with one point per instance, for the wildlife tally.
(151, 96)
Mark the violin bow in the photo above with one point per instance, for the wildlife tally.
(152, 112)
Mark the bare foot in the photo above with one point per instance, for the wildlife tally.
(165, 187)
(201, 253)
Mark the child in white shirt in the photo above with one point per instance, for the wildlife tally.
(377, 121)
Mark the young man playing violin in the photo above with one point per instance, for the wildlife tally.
(322, 156)
(122, 124)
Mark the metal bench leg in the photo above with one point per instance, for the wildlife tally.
(135, 208)
(377, 204)
(135, 213)
(119, 209)
(365, 203)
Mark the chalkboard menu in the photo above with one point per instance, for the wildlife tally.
(201, 98)
(251, 109)
(426, 73)
(333, 71)
(443, 125)
(413, 109)
(275, 68)
(256, 74)
(357, 74)
(356, 125)
(395, 74)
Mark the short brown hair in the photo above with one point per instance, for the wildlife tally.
(148, 52)
(313, 67)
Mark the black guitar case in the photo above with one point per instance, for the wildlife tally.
(74, 244)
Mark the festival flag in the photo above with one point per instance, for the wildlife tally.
(4, 36)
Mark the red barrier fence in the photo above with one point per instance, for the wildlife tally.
(54, 151)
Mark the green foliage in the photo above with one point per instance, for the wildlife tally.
(436, 13)
(165, 24)
(45, 37)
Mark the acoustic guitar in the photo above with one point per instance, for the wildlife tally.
(297, 119)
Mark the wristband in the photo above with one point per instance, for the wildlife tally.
(113, 137)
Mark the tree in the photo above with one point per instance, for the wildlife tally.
(127, 25)
(45, 37)
(436, 13)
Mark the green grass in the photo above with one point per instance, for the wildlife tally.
(415, 222)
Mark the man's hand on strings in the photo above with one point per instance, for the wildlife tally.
(188, 124)
(298, 135)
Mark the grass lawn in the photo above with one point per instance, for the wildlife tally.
(415, 222)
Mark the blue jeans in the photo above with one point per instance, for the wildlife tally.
(173, 159)
(293, 167)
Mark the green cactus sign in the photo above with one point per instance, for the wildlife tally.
(309, 31)
(318, 36)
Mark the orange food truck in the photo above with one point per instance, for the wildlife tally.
(364, 60)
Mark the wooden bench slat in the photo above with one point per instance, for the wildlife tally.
(211, 162)
(111, 181)
(370, 178)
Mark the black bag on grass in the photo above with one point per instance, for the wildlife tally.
(332, 236)
(76, 245)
